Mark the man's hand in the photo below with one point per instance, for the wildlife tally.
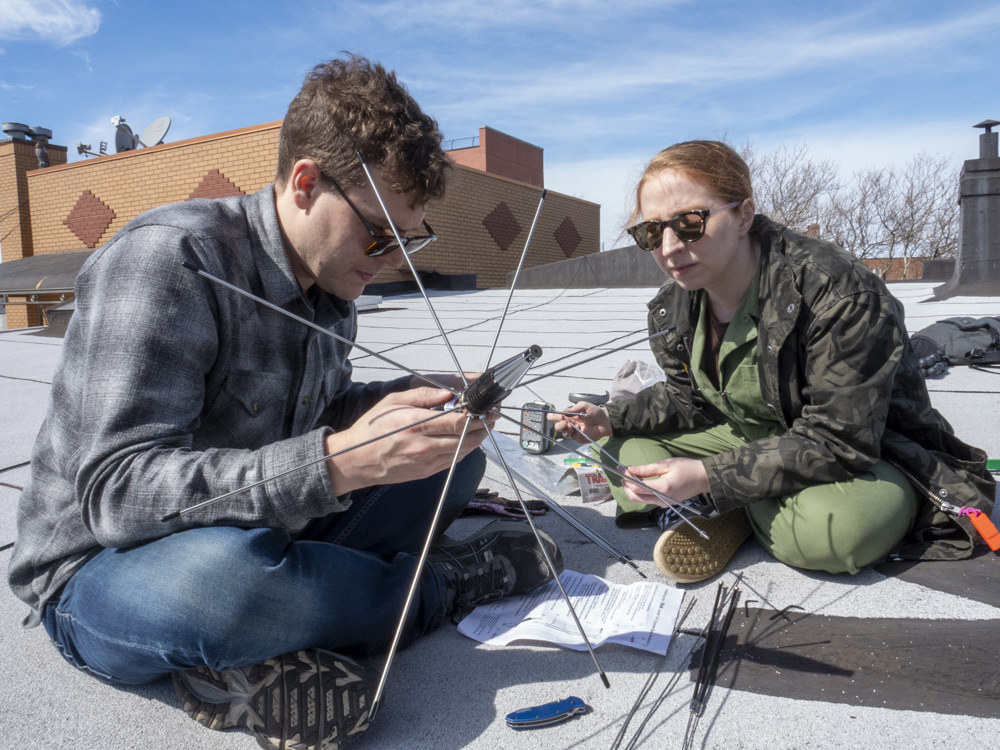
(448, 379)
(590, 422)
(678, 478)
(413, 453)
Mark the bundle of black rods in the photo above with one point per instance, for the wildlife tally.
(715, 637)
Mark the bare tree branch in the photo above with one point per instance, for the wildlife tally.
(894, 214)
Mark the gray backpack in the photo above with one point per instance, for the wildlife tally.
(957, 341)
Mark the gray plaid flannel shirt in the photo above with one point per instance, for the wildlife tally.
(173, 389)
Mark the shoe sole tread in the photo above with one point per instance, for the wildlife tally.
(685, 557)
(304, 700)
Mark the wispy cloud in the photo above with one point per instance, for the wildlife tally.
(858, 40)
(729, 59)
(473, 16)
(61, 22)
(85, 56)
(716, 77)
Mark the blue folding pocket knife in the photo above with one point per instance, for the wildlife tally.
(547, 714)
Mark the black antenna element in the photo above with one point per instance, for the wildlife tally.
(494, 385)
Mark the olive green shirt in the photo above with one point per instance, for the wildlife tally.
(738, 396)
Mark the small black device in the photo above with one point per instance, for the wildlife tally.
(536, 430)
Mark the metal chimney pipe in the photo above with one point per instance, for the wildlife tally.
(988, 140)
(977, 263)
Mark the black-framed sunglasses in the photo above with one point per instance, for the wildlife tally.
(689, 226)
(382, 244)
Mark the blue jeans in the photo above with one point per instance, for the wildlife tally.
(225, 597)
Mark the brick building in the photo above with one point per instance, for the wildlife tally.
(897, 269)
(482, 222)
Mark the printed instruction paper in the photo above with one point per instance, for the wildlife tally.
(641, 615)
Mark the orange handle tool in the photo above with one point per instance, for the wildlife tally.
(984, 526)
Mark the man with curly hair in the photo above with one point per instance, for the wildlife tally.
(174, 389)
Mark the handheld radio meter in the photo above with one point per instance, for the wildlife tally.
(536, 430)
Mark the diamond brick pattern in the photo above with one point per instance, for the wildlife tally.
(502, 225)
(215, 185)
(568, 237)
(89, 218)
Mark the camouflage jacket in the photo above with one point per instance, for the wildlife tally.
(837, 370)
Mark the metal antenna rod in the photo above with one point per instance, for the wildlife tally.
(713, 667)
(591, 359)
(540, 411)
(673, 504)
(566, 515)
(662, 495)
(703, 664)
(653, 676)
(605, 343)
(311, 462)
(551, 565)
(431, 532)
(533, 393)
(310, 324)
(707, 672)
(416, 276)
(513, 284)
(668, 688)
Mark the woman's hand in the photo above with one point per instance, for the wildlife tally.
(587, 423)
(679, 479)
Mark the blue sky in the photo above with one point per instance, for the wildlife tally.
(600, 86)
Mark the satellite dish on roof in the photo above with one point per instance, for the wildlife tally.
(125, 139)
(155, 132)
(153, 135)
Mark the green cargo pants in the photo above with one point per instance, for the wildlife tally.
(838, 527)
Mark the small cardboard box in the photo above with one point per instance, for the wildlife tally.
(593, 484)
